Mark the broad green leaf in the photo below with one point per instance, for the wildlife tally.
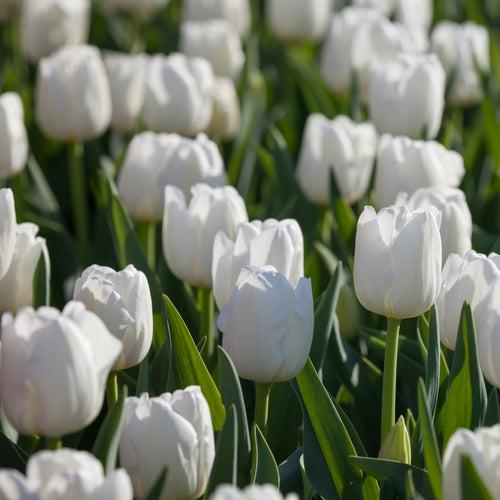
(11, 455)
(432, 375)
(411, 491)
(143, 378)
(41, 281)
(264, 467)
(157, 489)
(160, 368)
(344, 216)
(472, 484)
(290, 471)
(493, 409)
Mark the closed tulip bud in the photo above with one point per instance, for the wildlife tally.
(48, 25)
(8, 228)
(189, 230)
(416, 14)
(406, 96)
(456, 219)
(397, 261)
(341, 146)
(54, 368)
(252, 492)
(173, 431)
(465, 54)
(237, 12)
(467, 278)
(397, 444)
(141, 8)
(482, 447)
(218, 42)
(178, 94)
(404, 165)
(226, 115)
(127, 81)
(154, 161)
(385, 7)
(70, 72)
(267, 325)
(298, 20)
(62, 474)
(13, 136)
(279, 244)
(123, 301)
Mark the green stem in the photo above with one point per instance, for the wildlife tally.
(146, 232)
(262, 392)
(206, 308)
(53, 443)
(389, 380)
(112, 390)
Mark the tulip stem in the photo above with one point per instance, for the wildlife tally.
(262, 392)
(53, 443)
(206, 307)
(112, 390)
(146, 232)
(389, 379)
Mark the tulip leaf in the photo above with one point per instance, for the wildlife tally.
(264, 467)
(472, 484)
(41, 280)
(143, 377)
(345, 219)
(493, 409)
(157, 489)
(11, 455)
(188, 365)
(160, 368)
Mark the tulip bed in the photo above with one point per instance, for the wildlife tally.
(249, 249)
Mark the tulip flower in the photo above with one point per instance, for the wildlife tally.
(252, 492)
(405, 166)
(218, 42)
(481, 446)
(53, 368)
(123, 301)
(465, 54)
(154, 161)
(8, 228)
(416, 14)
(48, 25)
(178, 94)
(65, 473)
(467, 278)
(226, 114)
(259, 244)
(406, 96)
(341, 146)
(237, 12)
(127, 81)
(298, 20)
(456, 219)
(173, 431)
(385, 7)
(13, 136)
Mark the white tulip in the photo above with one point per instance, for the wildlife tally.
(279, 244)
(141, 8)
(154, 161)
(416, 14)
(15, 486)
(463, 50)
(252, 492)
(298, 20)
(482, 446)
(218, 42)
(385, 7)
(341, 146)
(226, 115)
(48, 25)
(467, 278)
(178, 94)
(127, 81)
(189, 231)
(13, 136)
(267, 325)
(8, 228)
(406, 95)
(397, 261)
(54, 368)
(404, 165)
(237, 12)
(456, 219)
(173, 431)
(123, 301)
(73, 99)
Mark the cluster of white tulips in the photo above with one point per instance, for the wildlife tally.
(257, 273)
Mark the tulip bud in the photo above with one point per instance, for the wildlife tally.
(415, 14)
(54, 368)
(298, 20)
(127, 81)
(406, 96)
(48, 25)
(397, 445)
(404, 165)
(463, 50)
(8, 228)
(456, 219)
(218, 42)
(13, 136)
(178, 94)
(189, 231)
(463, 279)
(143, 9)
(173, 431)
(154, 161)
(251, 492)
(226, 114)
(341, 145)
(73, 100)
(397, 261)
(267, 325)
(385, 7)
(481, 446)
(279, 244)
(237, 12)
(123, 301)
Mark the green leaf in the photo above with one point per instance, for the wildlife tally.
(264, 467)
(41, 280)
(190, 369)
(493, 409)
(160, 368)
(472, 484)
(143, 378)
(157, 489)
(11, 455)
(432, 375)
